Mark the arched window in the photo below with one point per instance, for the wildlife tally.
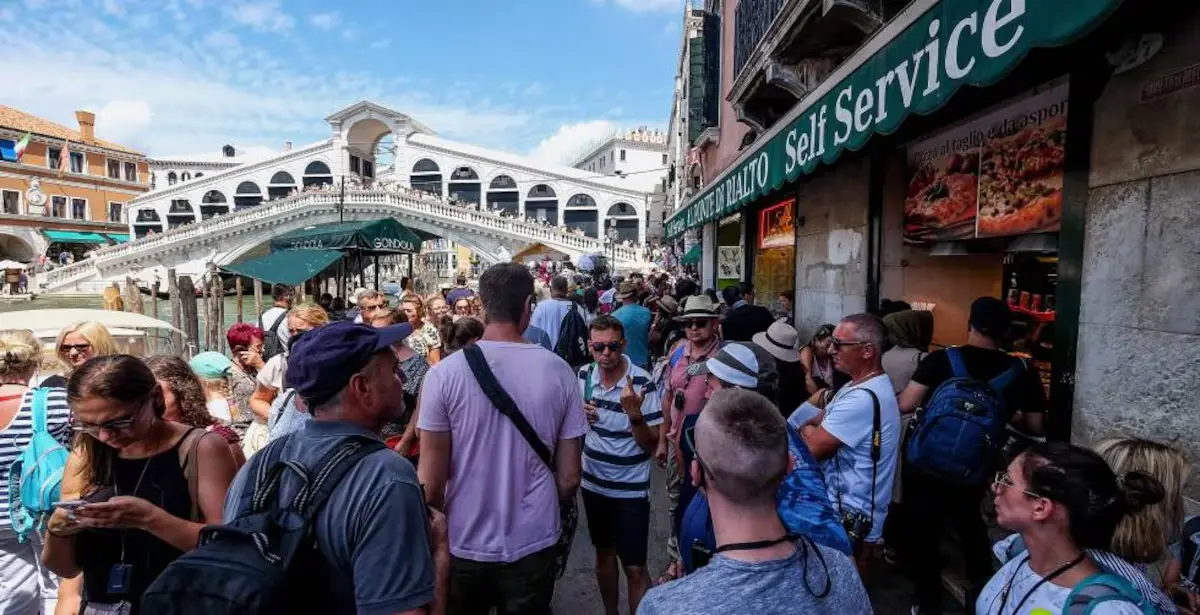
(623, 218)
(146, 215)
(503, 195)
(248, 195)
(281, 185)
(581, 200)
(317, 173)
(171, 178)
(464, 185)
(541, 203)
(622, 209)
(146, 221)
(213, 204)
(427, 177)
(185, 176)
(180, 213)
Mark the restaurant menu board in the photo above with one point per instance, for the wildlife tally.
(998, 175)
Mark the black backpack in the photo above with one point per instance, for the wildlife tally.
(573, 338)
(266, 560)
(272, 344)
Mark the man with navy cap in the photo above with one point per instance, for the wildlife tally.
(390, 554)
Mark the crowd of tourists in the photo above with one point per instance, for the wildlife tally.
(408, 454)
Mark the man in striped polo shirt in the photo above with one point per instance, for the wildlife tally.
(622, 410)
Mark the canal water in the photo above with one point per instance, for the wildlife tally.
(49, 302)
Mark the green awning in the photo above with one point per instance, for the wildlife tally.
(693, 256)
(290, 267)
(386, 236)
(118, 237)
(75, 237)
(876, 89)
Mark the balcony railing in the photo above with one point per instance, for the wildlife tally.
(752, 20)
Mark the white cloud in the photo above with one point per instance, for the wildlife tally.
(266, 16)
(646, 6)
(125, 121)
(325, 21)
(569, 141)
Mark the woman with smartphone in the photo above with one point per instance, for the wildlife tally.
(148, 485)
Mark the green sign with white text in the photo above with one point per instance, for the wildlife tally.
(954, 43)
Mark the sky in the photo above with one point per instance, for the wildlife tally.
(537, 77)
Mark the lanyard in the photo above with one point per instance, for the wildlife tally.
(1008, 586)
(754, 546)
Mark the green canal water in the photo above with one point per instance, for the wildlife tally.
(50, 302)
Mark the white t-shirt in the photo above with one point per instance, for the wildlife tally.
(219, 409)
(849, 417)
(270, 316)
(274, 372)
(1048, 597)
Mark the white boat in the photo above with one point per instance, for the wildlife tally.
(135, 334)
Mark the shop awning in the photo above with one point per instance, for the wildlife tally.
(693, 256)
(386, 236)
(977, 42)
(8, 150)
(118, 237)
(290, 267)
(75, 237)
(535, 251)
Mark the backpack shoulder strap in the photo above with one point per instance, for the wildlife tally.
(505, 404)
(1001, 382)
(587, 387)
(191, 467)
(275, 325)
(332, 469)
(1097, 589)
(958, 367)
(37, 404)
(677, 355)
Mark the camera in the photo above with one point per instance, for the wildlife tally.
(678, 401)
(858, 527)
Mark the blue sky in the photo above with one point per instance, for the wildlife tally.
(537, 77)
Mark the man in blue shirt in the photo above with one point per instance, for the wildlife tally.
(636, 320)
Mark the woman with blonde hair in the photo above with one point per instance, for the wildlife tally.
(300, 320)
(76, 343)
(1151, 538)
(27, 586)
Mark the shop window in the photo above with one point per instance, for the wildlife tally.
(131, 172)
(775, 254)
(79, 209)
(58, 206)
(77, 162)
(12, 202)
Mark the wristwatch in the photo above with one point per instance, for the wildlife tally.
(641, 420)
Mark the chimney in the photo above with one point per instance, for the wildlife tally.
(287, 145)
(87, 126)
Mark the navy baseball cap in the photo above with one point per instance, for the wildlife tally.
(322, 362)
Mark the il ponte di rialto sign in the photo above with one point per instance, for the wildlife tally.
(952, 44)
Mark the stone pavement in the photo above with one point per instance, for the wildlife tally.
(577, 593)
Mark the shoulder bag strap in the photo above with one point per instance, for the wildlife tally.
(876, 444)
(191, 467)
(505, 404)
(587, 387)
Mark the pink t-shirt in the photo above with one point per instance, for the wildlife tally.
(501, 500)
(695, 388)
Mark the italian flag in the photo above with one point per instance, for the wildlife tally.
(22, 145)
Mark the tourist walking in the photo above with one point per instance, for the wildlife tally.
(782, 341)
(460, 291)
(743, 319)
(76, 343)
(27, 587)
(855, 432)
(550, 314)
(375, 533)
(424, 340)
(636, 320)
(149, 485)
(274, 321)
(272, 378)
(502, 497)
(624, 412)
(741, 446)
(245, 350)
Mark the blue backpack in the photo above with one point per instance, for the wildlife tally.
(35, 477)
(1104, 587)
(958, 434)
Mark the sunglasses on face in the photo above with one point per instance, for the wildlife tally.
(1003, 481)
(67, 348)
(602, 346)
(837, 344)
(695, 324)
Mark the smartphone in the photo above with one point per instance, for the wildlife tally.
(70, 504)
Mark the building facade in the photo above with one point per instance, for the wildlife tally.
(68, 191)
(639, 157)
(941, 150)
(166, 171)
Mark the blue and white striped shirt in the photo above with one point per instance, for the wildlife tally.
(613, 464)
(16, 436)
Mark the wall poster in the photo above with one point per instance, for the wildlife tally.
(729, 262)
(1000, 174)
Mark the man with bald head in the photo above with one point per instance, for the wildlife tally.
(742, 456)
(855, 432)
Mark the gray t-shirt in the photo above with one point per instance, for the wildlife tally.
(373, 530)
(776, 587)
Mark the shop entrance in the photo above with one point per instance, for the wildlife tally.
(775, 255)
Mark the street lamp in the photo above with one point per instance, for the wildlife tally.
(611, 234)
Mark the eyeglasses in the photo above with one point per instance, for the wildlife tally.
(601, 346)
(372, 308)
(837, 344)
(67, 348)
(1002, 479)
(94, 429)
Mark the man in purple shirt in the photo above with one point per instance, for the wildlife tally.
(501, 501)
(460, 291)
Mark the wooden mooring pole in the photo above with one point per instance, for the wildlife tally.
(237, 285)
(191, 324)
(176, 311)
(258, 301)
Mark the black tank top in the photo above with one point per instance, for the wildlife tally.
(164, 486)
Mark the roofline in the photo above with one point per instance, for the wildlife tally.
(618, 139)
(80, 144)
(349, 110)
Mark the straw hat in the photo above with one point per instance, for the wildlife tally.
(667, 305)
(698, 307)
(625, 291)
(780, 340)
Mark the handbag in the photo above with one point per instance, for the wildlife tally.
(568, 511)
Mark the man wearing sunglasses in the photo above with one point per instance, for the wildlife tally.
(624, 413)
(855, 432)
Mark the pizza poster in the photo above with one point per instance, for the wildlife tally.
(997, 175)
